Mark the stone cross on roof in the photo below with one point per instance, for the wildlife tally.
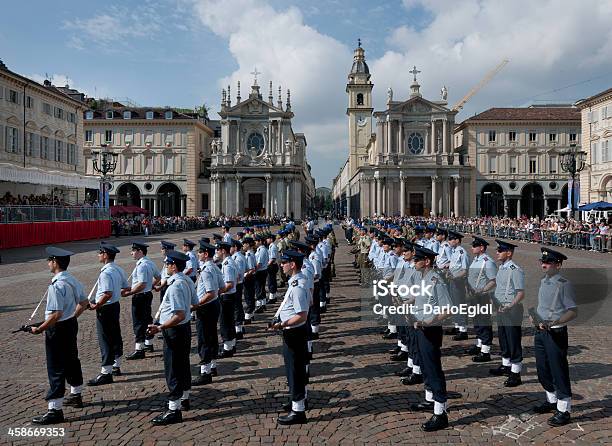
(255, 73)
(414, 71)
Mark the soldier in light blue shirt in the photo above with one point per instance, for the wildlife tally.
(240, 262)
(111, 283)
(458, 266)
(556, 307)
(227, 237)
(261, 273)
(228, 295)
(249, 280)
(291, 318)
(191, 268)
(174, 317)
(144, 277)
(509, 294)
(272, 268)
(65, 302)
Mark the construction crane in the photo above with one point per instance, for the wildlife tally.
(485, 80)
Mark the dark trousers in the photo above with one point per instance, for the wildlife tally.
(63, 364)
(322, 292)
(177, 346)
(327, 279)
(206, 326)
(227, 322)
(509, 332)
(238, 309)
(141, 315)
(314, 313)
(260, 284)
(295, 349)
(109, 333)
(272, 271)
(413, 346)
(551, 361)
(249, 293)
(457, 295)
(482, 322)
(429, 341)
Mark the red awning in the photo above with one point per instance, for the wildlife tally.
(123, 210)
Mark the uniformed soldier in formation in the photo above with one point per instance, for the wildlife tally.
(227, 322)
(292, 319)
(429, 334)
(481, 283)
(458, 268)
(261, 273)
(314, 312)
(174, 317)
(207, 311)
(249, 280)
(509, 294)
(65, 302)
(191, 269)
(556, 307)
(240, 262)
(363, 245)
(227, 237)
(111, 283)
(387, 266)
(162, 285)
(144, 277)
(272, 268)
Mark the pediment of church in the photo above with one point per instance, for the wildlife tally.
(417, 105)
(252, 107)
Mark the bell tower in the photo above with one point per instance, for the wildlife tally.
(359, 110)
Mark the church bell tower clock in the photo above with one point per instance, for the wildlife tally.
(359, 110)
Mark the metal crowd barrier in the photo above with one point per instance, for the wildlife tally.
(32, 214)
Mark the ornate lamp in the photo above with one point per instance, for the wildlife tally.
(573, 162)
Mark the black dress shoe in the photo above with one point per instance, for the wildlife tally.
(247, 322)
(482, 357)
(272, 301)
(451, 331)
(116, 371)
(559, 418)
(461, 336)
(239, 335)
(213, 371)
(502, 370)
(260, 309)
(309, 356)
(74, 400)
(138, 354)
(168, 417)
(412, 379)
(545, 407)
(435, 423)
(423, 406)
(185, 405)
(395, 350)
(101, 379)
(513, 380)
(323, 310)
(292, 418)
(390, 336)
(202, 379)
(401, 356)
(473, 350)
(226, 353)
(385, 331)
(52, 416)
(149, 348)
(314, 336)
(406, 371)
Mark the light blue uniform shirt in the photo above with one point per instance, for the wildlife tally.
(388, 265)
(444, 254)
(250, 260)
(273, 252)
(112, 278)
(208, 281)
(439, 296)
(227, 238)
(459, 261)
(316, 264)
(482, 270)
(434, 244)
(295, 300)
(144, 272)
(555, 296)
(262, 258)
(240, 262)
(191, 263)
(510, 280)
(228, 269)
(180, 295)
(308, 273)
(63, 294)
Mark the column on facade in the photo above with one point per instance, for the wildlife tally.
(434, 195)
(348, 200)
(518, 207)
(155, 209)
(456, 185)
(288, 197)
(267, 202)
(378, 196)
(238, 194)
(237, 148)
(400, 138)
(432, 138)
(183, 202)
(558, 203)
(545, 197)
(142, 203)
(443, 197)
(505, 206)
(219, 195)
(389, 130)
(385, 200)
(478, 205)
(444, 137)
(402, 194)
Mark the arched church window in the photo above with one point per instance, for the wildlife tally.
(416, 144)
(255, 144)
(359, 99)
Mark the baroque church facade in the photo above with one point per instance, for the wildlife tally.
(408, 166)
(259, 165)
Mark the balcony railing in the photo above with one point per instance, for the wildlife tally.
(30, 214)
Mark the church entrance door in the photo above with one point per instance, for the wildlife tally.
(417, 202)
(256, 204)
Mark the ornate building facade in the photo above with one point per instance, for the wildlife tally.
(259, 164)
(596, 178)
(517, 156)
(408, 166)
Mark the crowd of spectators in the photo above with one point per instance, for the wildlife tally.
(49, 200)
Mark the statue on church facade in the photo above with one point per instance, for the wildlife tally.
(389, 94)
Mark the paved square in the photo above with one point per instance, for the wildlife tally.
(354, 395)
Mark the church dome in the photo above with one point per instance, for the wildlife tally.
(359, 63)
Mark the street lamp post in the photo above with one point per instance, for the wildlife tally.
(573, 162)
(104, 162)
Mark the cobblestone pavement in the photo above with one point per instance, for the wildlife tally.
(354, 395)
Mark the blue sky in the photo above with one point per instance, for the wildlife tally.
(181, 52)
